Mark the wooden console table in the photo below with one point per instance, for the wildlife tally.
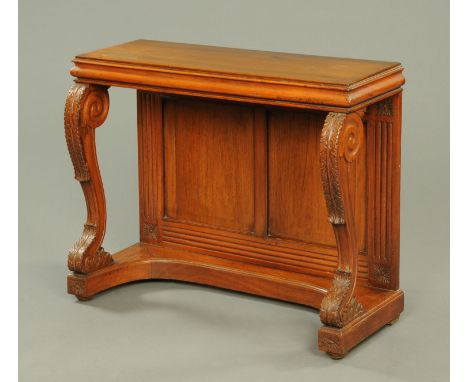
(267, 173)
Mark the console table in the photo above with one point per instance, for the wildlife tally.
(267, 173)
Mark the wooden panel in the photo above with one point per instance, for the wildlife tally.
(188, 194)
(383, 145)
(209, 163)
(297, 208)
(275, 253)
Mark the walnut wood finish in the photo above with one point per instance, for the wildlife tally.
(266, 173)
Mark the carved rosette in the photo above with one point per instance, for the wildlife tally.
(86, 109)
(385, 107)
(150, 230)
(340, 144)
(381, 273)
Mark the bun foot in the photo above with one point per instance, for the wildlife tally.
(336, 355)
(394, 321)
(83, 298)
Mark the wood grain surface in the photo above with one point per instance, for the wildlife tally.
(271, 78)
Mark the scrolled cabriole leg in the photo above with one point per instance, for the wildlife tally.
(340, 145)
(86, 109)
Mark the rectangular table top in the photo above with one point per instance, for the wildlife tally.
(239, 74)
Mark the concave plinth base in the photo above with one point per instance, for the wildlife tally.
(144, 261)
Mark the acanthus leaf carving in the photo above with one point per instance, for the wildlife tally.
(339, 306)
(77, 258)
(329, 166)
(86, 109)
(337, 142)
(341, 142)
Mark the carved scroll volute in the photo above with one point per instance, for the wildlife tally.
(340, 145)
(86, 109)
